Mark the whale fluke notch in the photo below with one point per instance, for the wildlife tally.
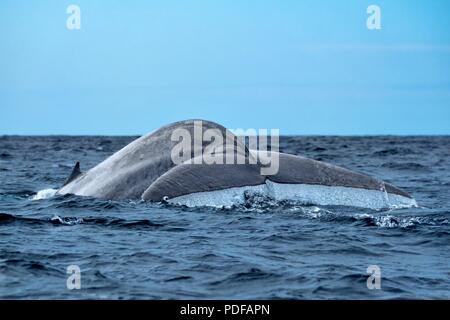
(75, 173)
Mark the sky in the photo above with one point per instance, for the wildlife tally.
(303, 67)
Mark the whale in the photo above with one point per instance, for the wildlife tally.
(145, 170)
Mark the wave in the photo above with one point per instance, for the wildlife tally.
(390, 221)
(6, 218)
(66, 220)
(19, 194)
(392, 151)
(407, 166)
(251, 274)
(5, 155)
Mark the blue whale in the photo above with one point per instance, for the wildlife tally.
(145, 170)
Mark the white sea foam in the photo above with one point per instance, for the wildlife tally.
(44, 194)
(66, 220)
(301, 193)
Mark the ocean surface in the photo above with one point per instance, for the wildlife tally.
(259, 250)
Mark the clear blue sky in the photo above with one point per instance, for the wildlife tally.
(305, 67)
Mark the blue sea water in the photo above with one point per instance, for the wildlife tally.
(260, 250)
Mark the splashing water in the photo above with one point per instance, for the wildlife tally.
(44, 194)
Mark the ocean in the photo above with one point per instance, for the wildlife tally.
(259, 250)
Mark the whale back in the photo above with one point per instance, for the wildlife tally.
(128, 173)
(144, 169)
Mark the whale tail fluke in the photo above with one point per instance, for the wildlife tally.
(75, 173)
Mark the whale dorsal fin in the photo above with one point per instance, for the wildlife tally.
(75, 173)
